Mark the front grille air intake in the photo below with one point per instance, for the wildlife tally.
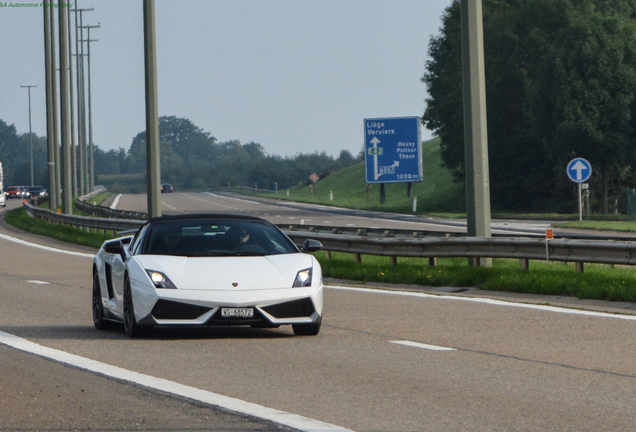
(166, 309)
(293, 309)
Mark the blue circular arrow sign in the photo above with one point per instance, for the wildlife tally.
(579, 170)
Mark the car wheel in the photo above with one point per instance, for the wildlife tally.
(132, 329)
(98, 306)
(307, 329)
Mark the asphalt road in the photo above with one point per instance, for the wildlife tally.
(285, 212)
(372, 368)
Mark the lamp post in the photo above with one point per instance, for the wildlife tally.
(66, 175)
(72, 109)
(90, 163)
(81, 99)
(28, 87)
(153, 154)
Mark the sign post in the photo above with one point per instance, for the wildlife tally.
(393, 150)
(579, 171)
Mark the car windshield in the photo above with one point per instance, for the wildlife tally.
(215, 238)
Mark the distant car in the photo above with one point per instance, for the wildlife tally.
(166, 188)
(12, 192)
(24, 191)
(36, 191)
(207, 269)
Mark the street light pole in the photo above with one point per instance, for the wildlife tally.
(72, 113)
(81, 99)
(54, 151)
(152, 111)
(50, 143)
(28, 87)
(66, 180)
(90, 165)
(475, 125)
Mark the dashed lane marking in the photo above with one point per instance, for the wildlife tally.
(423, 346)
(115, 202)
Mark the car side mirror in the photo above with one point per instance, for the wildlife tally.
(311, 246)
(117, 247)
(113, 247)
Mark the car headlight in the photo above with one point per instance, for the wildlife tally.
(303, 279)
(160, 280)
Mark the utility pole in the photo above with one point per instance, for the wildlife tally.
(49, 99)
(152, 111)
(28, 87)
(81, 100)
(475, 125)
(67, 184)
(72, 113)
(90, 165)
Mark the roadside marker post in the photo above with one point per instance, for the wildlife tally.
(548, 237)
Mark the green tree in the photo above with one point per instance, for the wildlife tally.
(559, 83)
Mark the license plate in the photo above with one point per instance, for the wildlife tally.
(237, 312)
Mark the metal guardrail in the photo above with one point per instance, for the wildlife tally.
(89, 223)
(524, 249)
(97, 191)
(407, 233)
(106, 212)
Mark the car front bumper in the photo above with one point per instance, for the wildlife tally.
(195, 307)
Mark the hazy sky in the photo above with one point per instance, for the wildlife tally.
(296, 76)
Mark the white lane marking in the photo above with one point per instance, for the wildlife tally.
(232, 198)
(47, 248)
(212, 202)
(170, 207)
(312, 207)
(115, 202)
(423, 346)
(38, 282)
(493, 302)
(163, 385)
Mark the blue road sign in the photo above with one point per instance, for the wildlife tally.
(393, 150)
(579, 170)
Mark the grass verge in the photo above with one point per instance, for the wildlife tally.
(599, 282)
(21, 219)
(348, 188)
(620, 226)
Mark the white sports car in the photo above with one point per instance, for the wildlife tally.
(202, 269)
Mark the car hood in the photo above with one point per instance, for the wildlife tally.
(222, 273)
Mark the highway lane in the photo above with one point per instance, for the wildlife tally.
(282, 212)
(510, 369)
(42, 395)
